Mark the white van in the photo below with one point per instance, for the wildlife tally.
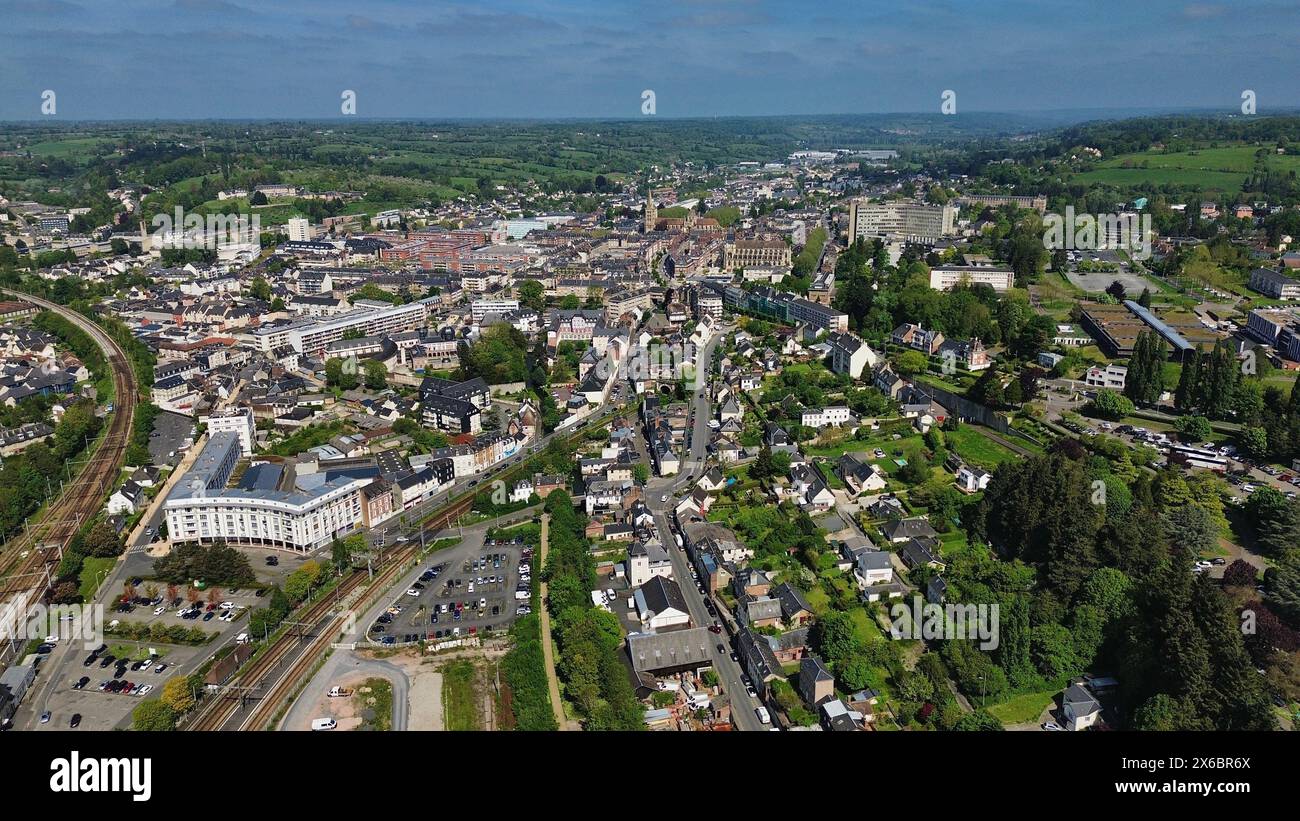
(323, 724)
(761, 711)
(242, 638)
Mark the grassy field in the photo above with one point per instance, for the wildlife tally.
(73, 149)
(1217, 169)
(865, 626)
(976, 448)
(93, 570)
(376, 695)
(460, 696)
(1023, 708)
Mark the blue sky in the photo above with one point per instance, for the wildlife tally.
(547, 58)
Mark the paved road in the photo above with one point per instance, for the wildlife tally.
(742, 706)
(728, 670)
(342, 663)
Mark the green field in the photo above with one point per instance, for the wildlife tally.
(460, 697)
(77, 149)
(376, 697)
(1023, 708)
(1212, 169)
(976, 448)
(93, 571)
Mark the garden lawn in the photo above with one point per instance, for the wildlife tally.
(976, 448)
(866, 628)
(1022, 708)
(92, 572)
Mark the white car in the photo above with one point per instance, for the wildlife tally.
(411, 591)
(227, 605)
(145, 690)
(663, 498)
(158, 611)
(1204, 565)
(1053, 726)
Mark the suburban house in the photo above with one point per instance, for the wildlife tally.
(825, 417)
(859, 476)
(660, 604)
(756, 659)
(795, 611)
(816, 684)
(972, 479)
(902, 530)
(887, 382)
(646, 560)
(127, 499)
(922, 551)
(711, 481)
(1080, 708)
(756, 612)
(873, 567)
(887, 507)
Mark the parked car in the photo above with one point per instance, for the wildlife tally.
(75, 721)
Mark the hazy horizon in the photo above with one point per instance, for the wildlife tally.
(138, 60)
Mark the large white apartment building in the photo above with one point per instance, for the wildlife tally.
(908, 220)
(312, 336)
(299, 229)
(943, 278)
(201, 508)
(480, 308)
(238, 421)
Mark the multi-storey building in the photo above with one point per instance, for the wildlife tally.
(1274, 284)
(238, 421)
(746, 253)
(908, 220)
(943, 278)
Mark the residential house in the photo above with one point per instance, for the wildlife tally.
(660, 604)
(902, 530)
(816, 684)
(795, 611)
(1080, 708)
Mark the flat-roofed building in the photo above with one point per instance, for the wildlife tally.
(1281, 329)
(1274, 284)
(944, 278)
(907, 220)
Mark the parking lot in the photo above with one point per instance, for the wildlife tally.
(1098, 281)
(88, 692)
(458, 598)
(170, 430)
(116, 677)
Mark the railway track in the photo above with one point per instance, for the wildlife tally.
(266, 680)
(269, 679)
(27, 561)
